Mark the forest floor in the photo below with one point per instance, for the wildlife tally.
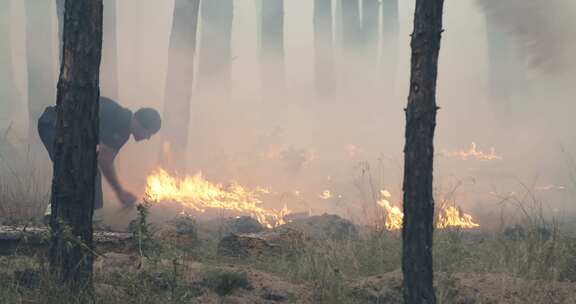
(320, 259)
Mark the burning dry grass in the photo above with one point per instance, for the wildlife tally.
(195, 193)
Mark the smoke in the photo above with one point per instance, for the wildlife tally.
(351, 144)
(544, 28)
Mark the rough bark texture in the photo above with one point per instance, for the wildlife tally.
(323, 48)
(418, 154)
(179, 84)
(75, 145)
(109, 66)
(39, 56)
(9, 98)
(215, 52)
(272, 48)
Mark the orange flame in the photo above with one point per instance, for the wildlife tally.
(198, 194)
(394, 216)
(452, 217)
(474, 152)
(448, 216)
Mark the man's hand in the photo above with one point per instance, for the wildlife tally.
(127, 198)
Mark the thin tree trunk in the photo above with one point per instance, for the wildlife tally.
(370, 13)
(179, 84)
(323, 48)
(109, 66)
(389, 44)
(41, 82)
(351, 28)
(417, 232)
(75, 145)
(9, 97)
(350, 43)
(215, 48)
(272, 47)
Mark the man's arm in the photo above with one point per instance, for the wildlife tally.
(106, 156)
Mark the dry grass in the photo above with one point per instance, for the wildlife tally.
(530, 258)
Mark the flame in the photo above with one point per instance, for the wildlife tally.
(394, 216)
(452, 217)
(197, 194)
(326, 195)
(448, 216)
(473, 152)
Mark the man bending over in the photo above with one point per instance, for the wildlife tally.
(116, 125)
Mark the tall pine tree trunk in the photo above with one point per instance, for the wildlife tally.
(417, 232)
(179, 84)
(389, 41)
(109, 66)
(9, 97)
(370, 24)
(41, 82)
(215, 49)
(272, 48)
(75, 158)
(323, 48)
(351, 40)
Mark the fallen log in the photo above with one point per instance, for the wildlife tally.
(28, 239)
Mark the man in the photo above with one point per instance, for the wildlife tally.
(116, 125)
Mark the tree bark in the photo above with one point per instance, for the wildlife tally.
(323, 48)
(41, 82)
(215, 49)
(9, 97)
(272, 48)
(179, 84)
(75, 145)
(418, 227)
(109, 66)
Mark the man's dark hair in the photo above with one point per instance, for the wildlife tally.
(149, 119)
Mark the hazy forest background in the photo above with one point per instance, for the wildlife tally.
(504, 83)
